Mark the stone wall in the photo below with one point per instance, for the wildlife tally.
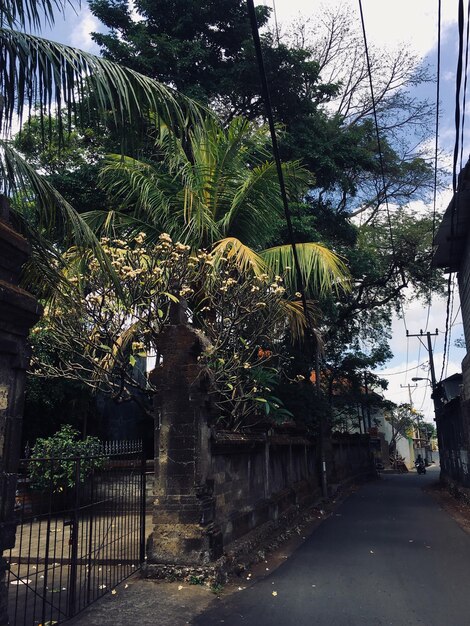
(351, 457)
(18, 312)
(257, 478)
(213, 487)
(452, 421)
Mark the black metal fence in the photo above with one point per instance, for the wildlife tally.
(81, 531)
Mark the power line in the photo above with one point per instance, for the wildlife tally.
(436, 148)
(285, 203)
(455, 199)
(464, 88)
(450, 324)
(407, 341)
(277, 157)
(379, 143)
(379, 146)
(275, 21)
(403, 371)
(461, 166)
(456, 315)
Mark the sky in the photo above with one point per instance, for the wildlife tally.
(389, 25)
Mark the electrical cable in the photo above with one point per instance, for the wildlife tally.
(277, 158)
(379, 143)
(450, 325)
(407, 338)
(455, 198)
(403, 371)
(456, 315)
(464, 87)
(425, 397)
(436, 147)
(381, 159)
(309, 326)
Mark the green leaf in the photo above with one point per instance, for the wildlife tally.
(132, 360)
(171, 297)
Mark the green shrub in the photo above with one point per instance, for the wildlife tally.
(58, 456)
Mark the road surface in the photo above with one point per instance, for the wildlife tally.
(388, 555)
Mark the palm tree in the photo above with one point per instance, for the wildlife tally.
(216, 188)
(50, 78)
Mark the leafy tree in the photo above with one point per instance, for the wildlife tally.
(403, 420)
(205, 49)
(428, 429)
(56, 464)
(101, 334)
(318, 80)
(69, 161)
(327, 123)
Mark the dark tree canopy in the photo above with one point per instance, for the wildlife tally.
(196, 46)
(321, 100)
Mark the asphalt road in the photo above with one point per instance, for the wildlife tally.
(388, 555)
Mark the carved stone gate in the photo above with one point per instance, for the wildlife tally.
(18, 312)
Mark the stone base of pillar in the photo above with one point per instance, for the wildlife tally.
(184, 533)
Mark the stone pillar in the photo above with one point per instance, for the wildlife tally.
(184, 530)
(18, 312)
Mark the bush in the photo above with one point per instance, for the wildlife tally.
(58, 455)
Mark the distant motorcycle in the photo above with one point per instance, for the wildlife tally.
(420, 467)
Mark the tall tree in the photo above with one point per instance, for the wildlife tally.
(318, 80)
(216, 187)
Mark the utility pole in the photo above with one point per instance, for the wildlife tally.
(366, 389)
(411, 405)
(428, 335)
(410, 387)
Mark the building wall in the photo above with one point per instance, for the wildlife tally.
(404, 444)
(454, 449)
(464, 290)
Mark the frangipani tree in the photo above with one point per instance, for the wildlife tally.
(99, 335)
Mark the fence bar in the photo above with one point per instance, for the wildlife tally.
(75, 545)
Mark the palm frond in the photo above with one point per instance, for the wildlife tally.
(40, 208)
(322, 271)
(36, 72)
(136, 184)
(257, 200)
(294, 311)
(32, 13)
(246, 258)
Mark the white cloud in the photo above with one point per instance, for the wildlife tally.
(389, 24)
(80, 37)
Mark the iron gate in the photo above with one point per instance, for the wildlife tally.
(74, 543)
